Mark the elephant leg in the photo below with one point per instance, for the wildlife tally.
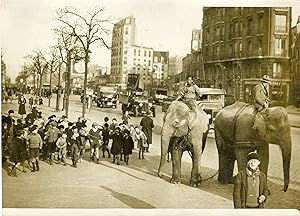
(223, 157)
(165, 140)
(197, 151)
(176, 166)
(229, 166)
(263, 153)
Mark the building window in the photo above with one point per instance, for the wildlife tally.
(279, 47)
(134, 52)
(280, 23)
(277, 69)
(139, 52)
(241, 48)
(125, 60)
(126, 30)
(126, 42)
(145, 52)
(260, 23)
(125, 52)
(250, 27)
(149, 63)
(149, 53)
(249, 48)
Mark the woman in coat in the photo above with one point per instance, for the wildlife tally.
(116, 147)
(22, 102)
(127, 145)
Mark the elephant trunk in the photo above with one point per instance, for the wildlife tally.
(165, 140)
(286, 149)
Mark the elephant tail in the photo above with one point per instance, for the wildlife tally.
(204, 137)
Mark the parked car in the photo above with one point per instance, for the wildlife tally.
(141, 105)
(107, 97)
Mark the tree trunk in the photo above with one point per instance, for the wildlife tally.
(34, 90)
(50, 89)
(86, 59)
(41, 85)
(58, 93)
(67, 86)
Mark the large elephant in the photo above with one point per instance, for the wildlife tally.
(235, 138)
(179, 121)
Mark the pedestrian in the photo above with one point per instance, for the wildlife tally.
(127, 146)
(75, 145)
(105, 139)
(147, 125)
(4, 95)
(63, 121)
(51, 137)
(141, 141)
(116, 146)
(18, 152)
(83, 136)
(35, 143)
(113, 125)
(61, 145)
(95, 138)
(125, 118)
(10, 94)
(22, 109)
(30, 102)
(250, 187)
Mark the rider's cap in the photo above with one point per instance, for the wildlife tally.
(266, 79)
(253, 155)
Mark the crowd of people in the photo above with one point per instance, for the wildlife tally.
(28, 140)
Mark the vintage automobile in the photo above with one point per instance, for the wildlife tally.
(160, 95)
(211, 101)
(137, 104)
(107, 97)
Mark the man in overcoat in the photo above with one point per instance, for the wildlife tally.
(261, 100)
(147, 125)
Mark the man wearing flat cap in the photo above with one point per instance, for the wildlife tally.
(261, 99)
(250, 187)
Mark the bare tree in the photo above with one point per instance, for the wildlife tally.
(53, 62)
(68, 51)
(39, 66)
(89, 29)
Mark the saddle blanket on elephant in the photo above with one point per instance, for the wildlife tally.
(248, 113)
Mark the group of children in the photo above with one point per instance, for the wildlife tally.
(58, 139)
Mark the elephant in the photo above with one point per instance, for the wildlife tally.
(180, 121)
(235, 138)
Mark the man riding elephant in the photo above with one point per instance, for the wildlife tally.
(261, 100)
(189, 93)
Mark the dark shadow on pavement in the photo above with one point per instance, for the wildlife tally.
(129, 200)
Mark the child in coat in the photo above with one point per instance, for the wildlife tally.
(127, 146)
(61, 145)
(116, 147)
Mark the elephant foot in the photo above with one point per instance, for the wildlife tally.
(159, 173)
(175, 181)
(196, 181)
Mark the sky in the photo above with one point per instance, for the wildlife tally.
(164, 25)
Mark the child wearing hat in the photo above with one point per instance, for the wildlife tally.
(51, 137)
(18, 152)
(35, 143)
(75, 145)
(61, 145)
(250, 187)
(127, 146)
(105, 139)
(95, 139)
(116, 147)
